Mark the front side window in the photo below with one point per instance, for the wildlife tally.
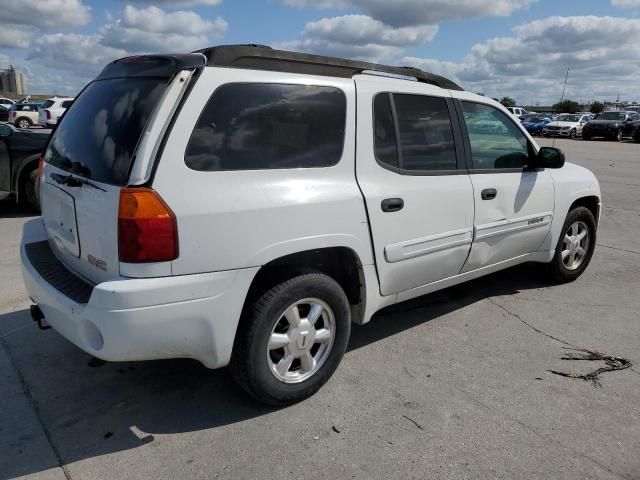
(425, 142)
(496, 142)
(250, 126)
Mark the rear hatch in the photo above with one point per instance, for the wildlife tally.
(91, 153)
(43, 117)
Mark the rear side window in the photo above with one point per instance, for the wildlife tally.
(47, 104)
(267, 126)
(426, 141)
(67, 103)
(99, 133)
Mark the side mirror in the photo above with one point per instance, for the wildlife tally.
(5, 130)
(548, 157)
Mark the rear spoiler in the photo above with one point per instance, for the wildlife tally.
(160, 66)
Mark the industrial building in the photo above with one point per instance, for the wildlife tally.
(12, 81)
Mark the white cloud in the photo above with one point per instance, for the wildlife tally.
(626, 3)
(152, 29)
(82, 54)
(530, 65)
(358, 36)
(420, 12)
(45, 14)
(15, 37)
(179, 3)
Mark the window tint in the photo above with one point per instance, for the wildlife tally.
(99, 134)
(426, 135)
(265, 126)
(67, 103)
(496, 142)
(386, 145)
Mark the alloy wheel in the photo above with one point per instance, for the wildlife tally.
(575, 245)
(301, 340)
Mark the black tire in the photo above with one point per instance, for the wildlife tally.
(557, 268)
(31, 191)
(23, 122)
(572, 133)
(618, 136)
(249, 364)
(585, 137)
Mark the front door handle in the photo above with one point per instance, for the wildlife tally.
(392, 204)
(489, 193)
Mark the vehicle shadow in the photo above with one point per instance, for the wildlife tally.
(93, 411)
(9, 209)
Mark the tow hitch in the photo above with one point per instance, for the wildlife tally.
(38, 317)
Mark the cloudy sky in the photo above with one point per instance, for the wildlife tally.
(519, 48)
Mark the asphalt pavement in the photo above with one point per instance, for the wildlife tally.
(451, 385)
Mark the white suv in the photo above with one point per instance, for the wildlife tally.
(52, 109)
(244, 206)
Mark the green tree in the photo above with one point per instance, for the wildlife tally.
(566, 106)
(597, 107)
(508, 102)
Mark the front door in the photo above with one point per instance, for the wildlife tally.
(410, 168)
(513, 206)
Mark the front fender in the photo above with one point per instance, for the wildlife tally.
(572, 183)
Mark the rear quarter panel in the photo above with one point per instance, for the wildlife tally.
(239, 219)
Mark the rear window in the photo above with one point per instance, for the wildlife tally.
(47, 104)
(100, 132)
(267, 126)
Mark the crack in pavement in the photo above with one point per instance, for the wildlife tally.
(616, 248)
(34, 407)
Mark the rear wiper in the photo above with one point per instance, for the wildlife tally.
(71, 181)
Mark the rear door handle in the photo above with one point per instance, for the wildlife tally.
(489, 193)
(392, 204)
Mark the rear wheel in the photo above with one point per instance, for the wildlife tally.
(292, 339)
(575, 246)
(23, 122)
(31, 191)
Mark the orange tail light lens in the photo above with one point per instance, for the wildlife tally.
(147, 228)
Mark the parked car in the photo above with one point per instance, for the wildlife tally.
(228, 217)
(6, 102)
(20, 151)
(23, 115)
(517, 111)
(484, 123)
(568, 125)
(613, 125)
(4, 113)
(535, 124)
(52, 109)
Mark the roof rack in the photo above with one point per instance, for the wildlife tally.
(263, 57)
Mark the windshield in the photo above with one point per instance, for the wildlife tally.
(569, 118)
(612, 116)
(100, 131)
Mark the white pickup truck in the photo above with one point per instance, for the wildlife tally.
(244, 206)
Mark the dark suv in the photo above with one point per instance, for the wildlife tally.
(614, 125)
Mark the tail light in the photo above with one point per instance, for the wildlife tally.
(13, 114)
(40, 167)
(48, 114)
(147, 228)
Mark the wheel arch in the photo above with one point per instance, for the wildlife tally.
(25, 166)
(341, 263)
(590, 202)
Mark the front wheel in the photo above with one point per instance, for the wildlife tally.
(575, 246)
(572, 133)
(618, 136)
(292, 339)
(32, 191)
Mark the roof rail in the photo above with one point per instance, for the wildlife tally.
(262, 57)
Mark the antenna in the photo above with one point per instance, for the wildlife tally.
(566, 77)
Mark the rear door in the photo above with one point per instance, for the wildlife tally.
(87, 162)
(513, 205)
(410, 168)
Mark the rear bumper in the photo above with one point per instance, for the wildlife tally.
(188, 316)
